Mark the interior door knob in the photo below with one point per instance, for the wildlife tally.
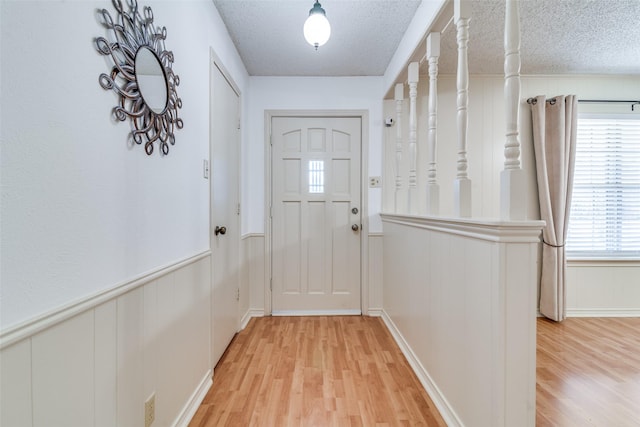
(220, 230)
(355, 227)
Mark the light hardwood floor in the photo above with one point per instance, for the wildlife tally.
(588, 372)
(334, 371)
(315, 371)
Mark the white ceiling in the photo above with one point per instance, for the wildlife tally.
(364, 35)
(559, 36)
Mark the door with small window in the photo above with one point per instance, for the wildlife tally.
(316, 215)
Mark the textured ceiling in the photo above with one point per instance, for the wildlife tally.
(558, 36)
(364, 35)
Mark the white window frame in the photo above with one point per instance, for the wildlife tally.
(606, 254)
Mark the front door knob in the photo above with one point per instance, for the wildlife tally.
(220, 230)
(355, 227)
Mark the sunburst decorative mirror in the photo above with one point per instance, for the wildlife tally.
(142, 75)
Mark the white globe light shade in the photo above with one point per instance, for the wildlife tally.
(317, 29)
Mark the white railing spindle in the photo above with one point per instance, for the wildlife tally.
(433, 189)
(399, 98)
(462, 185)
(512, 179)
(413, 138)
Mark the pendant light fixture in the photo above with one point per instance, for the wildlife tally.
(317, 29)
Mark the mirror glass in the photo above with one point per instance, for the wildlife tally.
(151, 80)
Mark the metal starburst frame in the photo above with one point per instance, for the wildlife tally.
(130, 32)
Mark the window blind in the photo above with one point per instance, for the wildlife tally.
(604, 220)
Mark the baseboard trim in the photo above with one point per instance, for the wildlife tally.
(44, 321)
(443, 406)
(598, 312)
(316, 313)
(375, 312)
(192, 405)
(251, 313)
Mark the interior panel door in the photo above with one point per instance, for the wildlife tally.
(224, 229)
(316, 218)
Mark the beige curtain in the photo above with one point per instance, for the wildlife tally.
(554, 141)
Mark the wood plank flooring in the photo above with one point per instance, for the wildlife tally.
(588, 372)
(335, 371)
(315, 371)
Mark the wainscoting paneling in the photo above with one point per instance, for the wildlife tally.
(151, 346)
(375, 275)
(15, 385)
(459, 296)
(253, 261)
(130, 385)
(106, 363)
(168, 324)
(97, 367)
(62, 373)
(190, 346)
(603, 288)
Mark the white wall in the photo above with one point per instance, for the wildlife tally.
(101, 300)
(307, 93)
(83, 211)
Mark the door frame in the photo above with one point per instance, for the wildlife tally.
(363, 115)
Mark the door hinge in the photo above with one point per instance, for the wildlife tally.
(270, 211)
(271, 284)
(238, 123)
(270, 140)
(237, 294)
(238, 210)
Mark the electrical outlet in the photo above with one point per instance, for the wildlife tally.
(374, 181)
(150, 410)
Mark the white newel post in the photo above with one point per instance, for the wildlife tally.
(462, 184)
(399, 98)
(513, 201)
(413, 138)
(433, 189)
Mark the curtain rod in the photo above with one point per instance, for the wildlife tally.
(552, 101)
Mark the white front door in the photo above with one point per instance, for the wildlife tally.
(224, 224)
(316, 215)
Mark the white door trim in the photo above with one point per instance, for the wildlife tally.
(364, 194)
